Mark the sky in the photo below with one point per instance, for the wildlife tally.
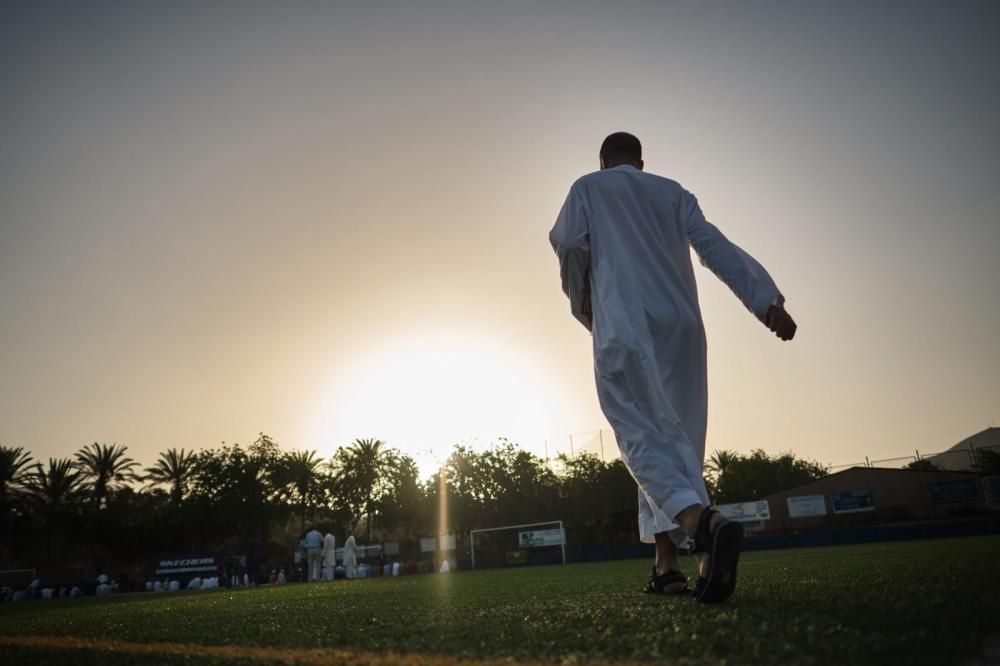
(328, 221)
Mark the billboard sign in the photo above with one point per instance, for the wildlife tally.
(536, 538)
(991, 484)
(187, 565)
(952, 492)
(805, 506)
(852, 501)
(440, 542)
(746, 512)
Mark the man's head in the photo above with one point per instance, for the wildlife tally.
(621, 148)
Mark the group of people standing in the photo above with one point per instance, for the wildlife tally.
(319, 555)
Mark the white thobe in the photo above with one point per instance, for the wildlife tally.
(350, 557)
(329, 560)
(622, 239)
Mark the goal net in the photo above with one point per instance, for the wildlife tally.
(518, 545)
(17, 579)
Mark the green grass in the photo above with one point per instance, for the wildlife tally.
(916, 602)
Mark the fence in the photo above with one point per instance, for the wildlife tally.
(602, 444)
(960, 460)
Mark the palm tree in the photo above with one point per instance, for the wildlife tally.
(55, 491)
(720, 461)
(368, 460)
(104, 469)
(56, 487)
(173, 468)
(15, 471)
(302, 469)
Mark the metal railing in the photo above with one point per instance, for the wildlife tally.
(602, 444)
(957, 460)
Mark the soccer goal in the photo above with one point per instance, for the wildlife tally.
(518, 545)
(16, 578)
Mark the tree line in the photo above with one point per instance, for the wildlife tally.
(102, 506)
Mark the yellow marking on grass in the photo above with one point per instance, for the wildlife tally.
(295, 656)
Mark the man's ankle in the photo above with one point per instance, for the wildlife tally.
(688, 519)
(664, 566)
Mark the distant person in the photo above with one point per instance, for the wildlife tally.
(231, 558)
(623, 238)
(314, 553)
(329, 556)
(350, 555)
(103, 585)
(255, 558)
(301, 557)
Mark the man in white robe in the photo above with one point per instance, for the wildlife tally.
(329, 559)
(350, 556)
(623, 238)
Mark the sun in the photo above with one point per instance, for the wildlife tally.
(423, 394)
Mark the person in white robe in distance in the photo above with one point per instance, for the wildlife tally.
(350, 556)
(329, 558)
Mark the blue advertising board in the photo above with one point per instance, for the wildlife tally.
(991, 487)
(852, 501)
(952, 492)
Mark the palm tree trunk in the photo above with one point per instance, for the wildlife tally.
(368, 514)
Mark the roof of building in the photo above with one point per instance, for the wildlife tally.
(875, 470)
(988, 438)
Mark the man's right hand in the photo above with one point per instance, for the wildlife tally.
(780, 322)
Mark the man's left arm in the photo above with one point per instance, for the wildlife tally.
(570, 238)
(741, 272)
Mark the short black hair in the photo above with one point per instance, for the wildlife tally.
(621, 147)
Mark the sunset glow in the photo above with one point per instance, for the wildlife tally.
(425, 393)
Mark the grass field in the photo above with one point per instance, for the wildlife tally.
(916, 602)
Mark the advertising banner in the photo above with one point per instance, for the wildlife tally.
(746, 512)
(392, 548)
(440, 542)
(535, 538)
(951, 492)
(991, 484)
(852, 501)
(187, 565)
(804, 506)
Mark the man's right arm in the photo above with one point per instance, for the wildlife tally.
(570, 238)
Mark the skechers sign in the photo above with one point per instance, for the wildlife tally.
(186, 564)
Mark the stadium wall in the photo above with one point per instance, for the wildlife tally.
(893, 495)
(981, 526)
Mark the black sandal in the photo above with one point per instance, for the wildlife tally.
(658, 582)
(699, 585)
(723, 544)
